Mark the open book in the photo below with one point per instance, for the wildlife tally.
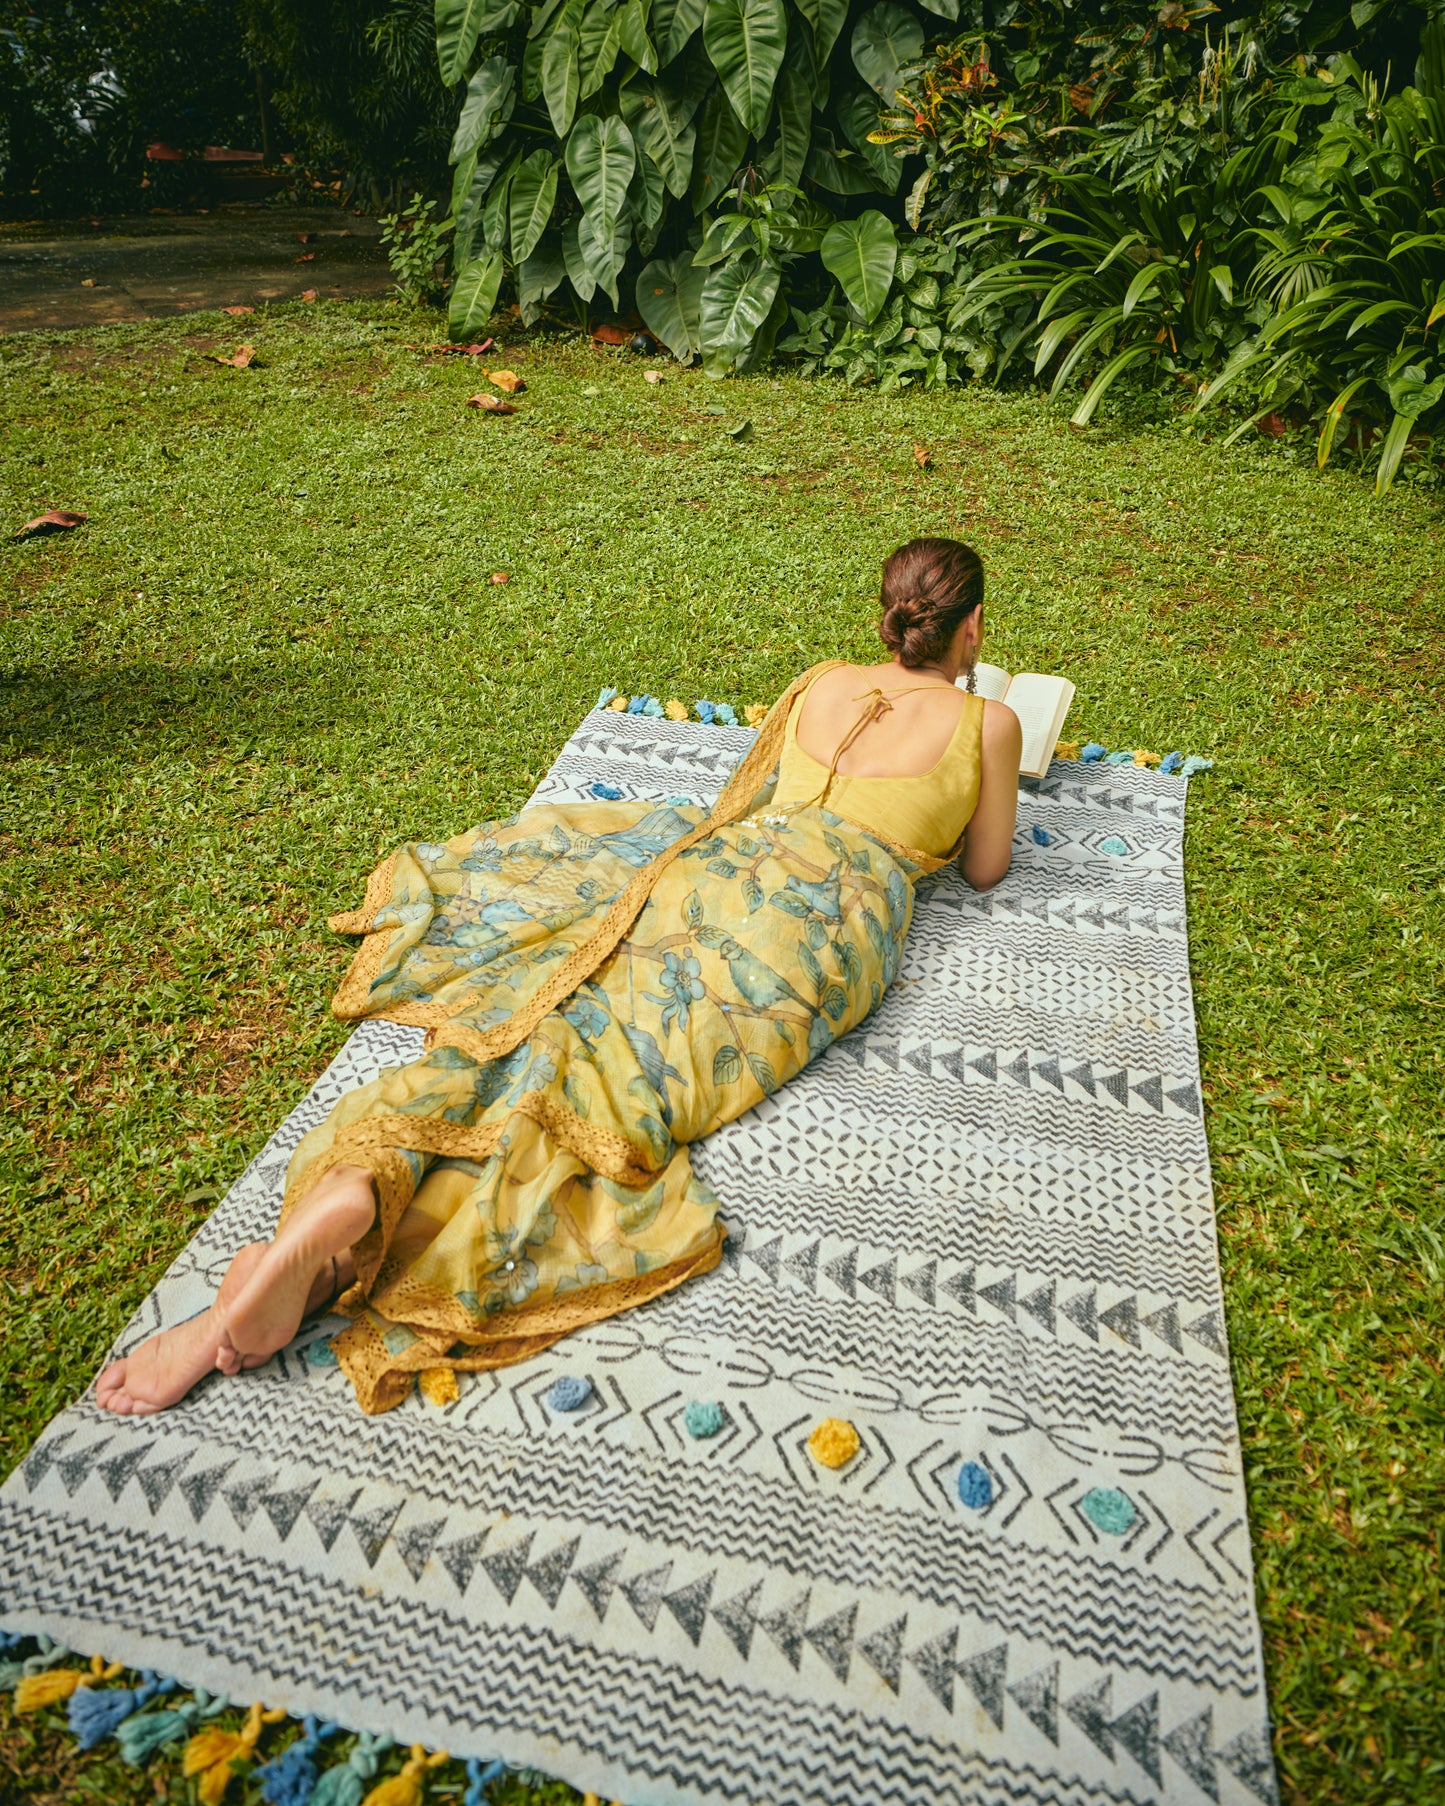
(1041, 703)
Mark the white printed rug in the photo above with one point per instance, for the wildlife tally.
(980, 1229)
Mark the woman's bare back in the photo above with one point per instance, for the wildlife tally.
(907, 740)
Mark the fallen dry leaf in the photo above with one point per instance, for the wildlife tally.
(608, 334)
(306, 238)
(507, 380)
(490, 404)
(454, 350)
(236, 312)
(345, 232)
(240, 358)
(87, 282)
(308, 294)
(653, 376)
(501, 577)
(54, 520)
(923, 457)
(306, 257)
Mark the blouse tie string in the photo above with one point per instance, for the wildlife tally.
(878, 703)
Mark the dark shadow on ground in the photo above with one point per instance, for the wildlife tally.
(145, 266)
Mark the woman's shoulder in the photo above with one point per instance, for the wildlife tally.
(1000, 733)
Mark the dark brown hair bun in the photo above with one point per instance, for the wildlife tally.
(930, 587)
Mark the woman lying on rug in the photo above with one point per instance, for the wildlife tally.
(603, 983)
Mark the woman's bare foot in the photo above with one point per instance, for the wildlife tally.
(163, 1370)
(267, 1309)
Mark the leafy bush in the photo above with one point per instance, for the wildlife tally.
(413, 241)
(1351, 262)
(709, 157)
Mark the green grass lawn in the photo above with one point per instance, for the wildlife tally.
(275, 651)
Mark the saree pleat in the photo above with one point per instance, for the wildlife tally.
(602, 984)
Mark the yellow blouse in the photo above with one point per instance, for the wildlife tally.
(928, 811)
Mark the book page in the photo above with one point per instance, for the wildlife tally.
(992, 681)
(1041, 704)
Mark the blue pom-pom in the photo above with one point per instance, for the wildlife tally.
(703, 1418)
(603, 698)
(1120, 758)
(1092, 753)
(1194, 763)
(1171, 762)
(1113, 845)
(652, 708)
(705, 711)
(569, 1393)
(975, 1489)
(635, 706)
(94, 1712)
(679, 802)
(609, 793)
(725, 715)
(1041, 836)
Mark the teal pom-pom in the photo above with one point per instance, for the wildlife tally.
(703, 1418)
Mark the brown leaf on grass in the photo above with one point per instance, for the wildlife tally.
(607, 334)
(54, 520)
(507, 380)
(236, 312)
(306, 257)
(454, 350)
(306, 238)
(653, 376)
(1272, 426)
(923, 457)
(308, 294)
(240, 358)
(87, 282)
(490, 404)
(501, 576)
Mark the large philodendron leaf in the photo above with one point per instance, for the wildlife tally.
(471, 186)
(862, 254)
(561, 83)
(632, 35)
(534, 194)
(459, 23)
(721, 140)
(885, 40)
(673, 25)
(473, 296)
(669, 298)
(598, 45)
(604, 255)
(660, 117)
(600, 160)
(736, 301)
(794, 125)
(539, 275)
(858, 115)
(745, 40)
(575, 260)
(827, 18)
(491, 94)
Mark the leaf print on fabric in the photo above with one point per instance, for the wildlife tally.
(753, 895)
(727, 1064)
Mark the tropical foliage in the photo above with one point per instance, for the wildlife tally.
(703, 157)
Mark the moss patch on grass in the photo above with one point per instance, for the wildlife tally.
(275, 651)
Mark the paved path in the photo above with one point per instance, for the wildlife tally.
(146, 265)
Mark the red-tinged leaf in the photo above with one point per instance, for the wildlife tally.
(490, 404)
(308, 294)
(240, 359)
(54, 520)
(236, 312)
(507, 380)
(306, 257)
(608, 334)
(501, 576)
(1272, 426)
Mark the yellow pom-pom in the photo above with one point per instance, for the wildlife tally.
(1068, 749)
(618, 705)
(833, 1443)
(37, 1691)
(1145, 758)
(675, 710)
(755, 714)
(439, 1386)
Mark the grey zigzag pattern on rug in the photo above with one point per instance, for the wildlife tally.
(980, 1228)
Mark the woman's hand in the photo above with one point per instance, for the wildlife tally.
(988, 843)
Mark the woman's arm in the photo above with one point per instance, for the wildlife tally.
(988, 844)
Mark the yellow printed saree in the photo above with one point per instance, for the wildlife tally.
(603, 983)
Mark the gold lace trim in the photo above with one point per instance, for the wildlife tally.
(382, 1379)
